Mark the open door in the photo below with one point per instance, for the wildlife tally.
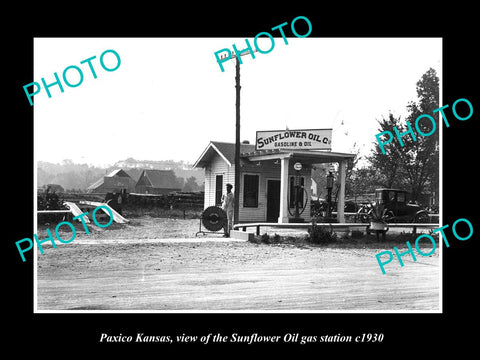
(273, 200)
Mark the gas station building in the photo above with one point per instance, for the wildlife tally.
(269, 173)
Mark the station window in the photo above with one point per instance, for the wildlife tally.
(218, 189)
(250, 190)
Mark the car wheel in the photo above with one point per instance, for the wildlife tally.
(364, 217)
(388, 216)
(421, 218)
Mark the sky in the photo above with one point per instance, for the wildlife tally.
(169, 97)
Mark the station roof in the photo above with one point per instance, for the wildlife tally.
(306, 156)
(248, 153)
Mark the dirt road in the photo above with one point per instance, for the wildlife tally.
(96, 273)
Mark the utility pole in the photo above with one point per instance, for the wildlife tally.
(236, 193)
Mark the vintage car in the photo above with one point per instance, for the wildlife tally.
(395, 207)
(318, 207)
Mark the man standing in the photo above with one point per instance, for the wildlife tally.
(227, 205)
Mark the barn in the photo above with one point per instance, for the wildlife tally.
(157, 182)
(116, 180)
(267, 179)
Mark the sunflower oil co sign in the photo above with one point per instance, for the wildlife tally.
(314, 139)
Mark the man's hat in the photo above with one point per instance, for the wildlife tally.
(229, 185)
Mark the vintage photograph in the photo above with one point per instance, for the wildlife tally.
(262, 174)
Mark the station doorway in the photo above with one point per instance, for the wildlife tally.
(273, 200)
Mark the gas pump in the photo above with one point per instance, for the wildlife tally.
(297, 187)
(297, 190)
(330, 181)
(329, 193)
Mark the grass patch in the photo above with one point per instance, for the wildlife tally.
(355, 240)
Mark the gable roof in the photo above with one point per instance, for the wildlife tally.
(224, 149)
(115, 173)
(118, 172)
(164, 179)
(96, 184)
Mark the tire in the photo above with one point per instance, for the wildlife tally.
(364, 215)
(389, 216)
(421, 218)
(364, 218)
(213, 218)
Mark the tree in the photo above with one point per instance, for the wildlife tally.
(388, 165)
(416, 164)
(191, 184)
(420, 158)
(364, 181)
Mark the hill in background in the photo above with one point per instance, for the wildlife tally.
(77, 177)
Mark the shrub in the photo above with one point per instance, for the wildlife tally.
(267, 239)
(356, 234)
(318, 235)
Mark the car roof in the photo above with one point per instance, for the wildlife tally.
(390, 189)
